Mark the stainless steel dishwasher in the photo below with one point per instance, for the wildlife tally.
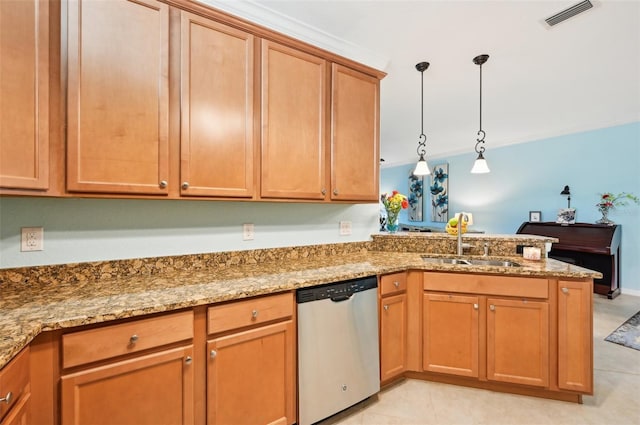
(338, 360)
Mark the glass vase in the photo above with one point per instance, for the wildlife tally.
(392, 221)
(605, 218)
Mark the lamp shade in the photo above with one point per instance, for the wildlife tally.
(480, 166)
(422, 168)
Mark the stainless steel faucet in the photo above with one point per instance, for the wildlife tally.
(461, 216)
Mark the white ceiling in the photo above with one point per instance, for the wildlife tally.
(539, 81)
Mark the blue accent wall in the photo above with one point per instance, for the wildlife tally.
(530, 176)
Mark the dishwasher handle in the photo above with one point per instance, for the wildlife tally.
(340, 298)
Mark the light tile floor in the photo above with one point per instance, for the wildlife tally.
(616, 399)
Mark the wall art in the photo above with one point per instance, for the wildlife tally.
(416, 190)
(439, 190)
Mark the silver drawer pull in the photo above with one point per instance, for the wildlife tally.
(475, 306)
(185, 185)
(386, 307)
(188, 360)
(213, 354)
(492, 307)
(565, 290)
(7, 399)
(254, 314)
(396, 284)
(134, 338)
(163, 184)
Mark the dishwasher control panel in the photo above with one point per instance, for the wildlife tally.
(336, 291)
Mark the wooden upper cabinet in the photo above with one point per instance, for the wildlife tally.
(218, 140)
(355, 122)
(117, 135)
(24, 94)
(294, 86)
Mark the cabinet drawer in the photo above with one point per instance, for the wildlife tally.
(14, 379)
(115, 340)
(396, 282)
(513, 286)
(250, 312)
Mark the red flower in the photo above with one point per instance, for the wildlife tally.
(405, 204)
(394, 193)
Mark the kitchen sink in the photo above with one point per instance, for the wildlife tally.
(470, 261)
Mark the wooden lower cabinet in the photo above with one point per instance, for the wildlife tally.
(451, 334)
(15, 390)
(393, 336)
(251, 369)
(20, 414)
(149, 389)
(575, 336)
(516, 346)
(518, 341)
(250, 377)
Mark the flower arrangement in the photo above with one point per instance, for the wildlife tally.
(610, 200)
(393, 204)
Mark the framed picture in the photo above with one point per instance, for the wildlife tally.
(416, 189)
(535, 216)
(566, 216)
(439, 190)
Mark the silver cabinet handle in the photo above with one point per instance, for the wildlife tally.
(254, 314)
(335, 192)
(475, 306)
(185, 185)
(7, 399)
(492, 307)
(565, 290)
(188, 360)
(134, 338)
(213, 354)
(386, 307)
(163, 184)
(396, 284)
(323, 191)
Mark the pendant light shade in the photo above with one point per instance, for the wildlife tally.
(422, 168)
(480, 166)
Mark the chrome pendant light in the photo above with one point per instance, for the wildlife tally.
(480, 166)
(422, 169)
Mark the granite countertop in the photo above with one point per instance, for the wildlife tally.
(27, 310)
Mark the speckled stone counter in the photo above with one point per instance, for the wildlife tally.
(37, 299)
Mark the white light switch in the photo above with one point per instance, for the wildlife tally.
(32, 239)
(345, 228)
(247, 232)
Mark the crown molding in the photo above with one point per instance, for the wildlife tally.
(269, 18)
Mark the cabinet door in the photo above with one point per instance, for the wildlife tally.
(117, 135)
(24, 94)
(518, 341)
(393, 336)
(293, 123)
(450, 326)
(355, 139)
(575, 336)
(217, 140)
(20, 414)
(250, 377)
(151, 389)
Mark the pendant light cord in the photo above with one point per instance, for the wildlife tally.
(422, 139)
(479, 60)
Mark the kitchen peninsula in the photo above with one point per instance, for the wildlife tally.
(41, 307)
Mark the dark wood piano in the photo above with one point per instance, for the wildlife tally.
(593, 246)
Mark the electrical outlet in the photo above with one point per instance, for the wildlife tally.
(247, 232)
(345, 228)
(32, 239)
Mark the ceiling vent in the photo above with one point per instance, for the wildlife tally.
(569, 12)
